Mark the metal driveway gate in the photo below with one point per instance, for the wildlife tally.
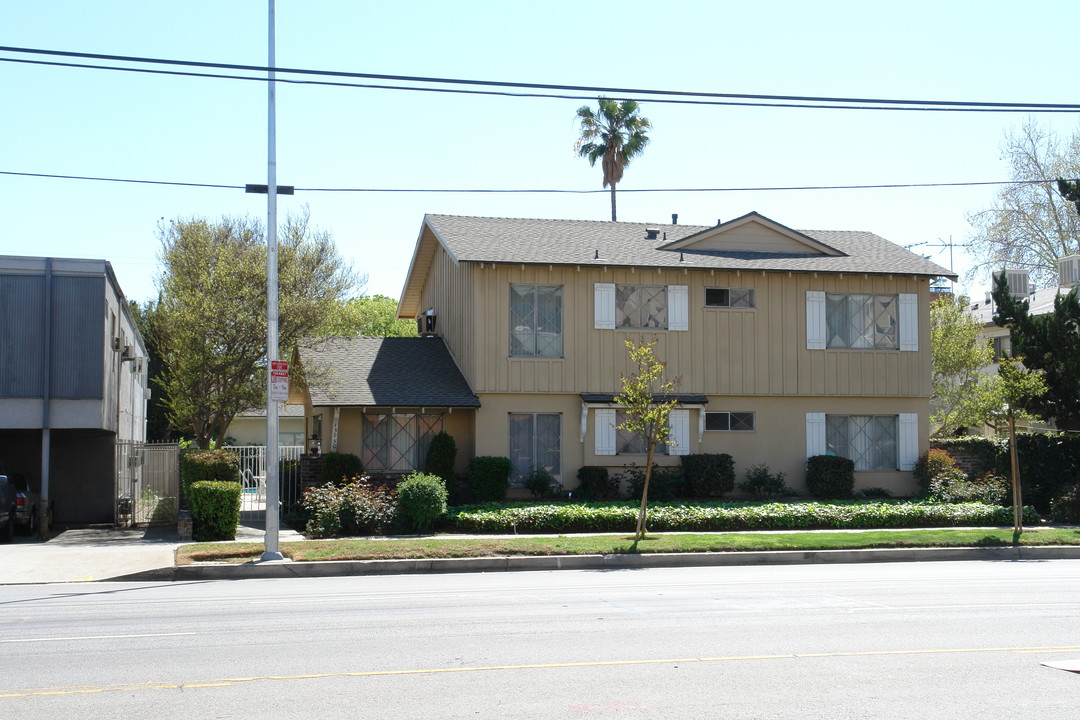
(147, 483)
(253, 478)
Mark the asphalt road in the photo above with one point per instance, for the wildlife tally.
(896, 640)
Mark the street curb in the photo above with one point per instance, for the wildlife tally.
(344, 568)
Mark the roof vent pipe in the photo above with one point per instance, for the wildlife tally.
(674, 218)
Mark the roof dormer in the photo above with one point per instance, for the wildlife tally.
(753, 233)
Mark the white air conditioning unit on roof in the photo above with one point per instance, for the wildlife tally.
(1069, 271)
(1019, 286)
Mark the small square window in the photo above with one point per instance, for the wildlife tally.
(729, 297)
(729, 421)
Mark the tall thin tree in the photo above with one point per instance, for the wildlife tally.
(615, 134)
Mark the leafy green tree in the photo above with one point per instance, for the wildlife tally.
(1021, 388)
(210, 321)
(1049, 343)
(963, 395)
(1030, 225)
(1070, 190)
(645, 397)
(367, 316)
(614, 134)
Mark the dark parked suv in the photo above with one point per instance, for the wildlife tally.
(7, 509)
(27, 503)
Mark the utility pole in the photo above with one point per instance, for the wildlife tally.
(272, 512)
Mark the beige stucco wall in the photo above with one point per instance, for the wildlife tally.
(779, 440)
(252, 430)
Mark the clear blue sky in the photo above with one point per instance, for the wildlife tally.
(154, 127)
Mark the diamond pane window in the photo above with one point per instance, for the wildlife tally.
(629, 443)
(870, 441)
(535, 442)
(862, 321)
(641, 306)
(398, 442)
(536, 321)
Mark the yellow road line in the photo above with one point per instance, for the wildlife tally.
(231, 682)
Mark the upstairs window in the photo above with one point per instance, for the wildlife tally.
(536, 321)
(641, 306)
(729, 297)
(862, 321)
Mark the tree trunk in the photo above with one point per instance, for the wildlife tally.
(640, 533)
(1017, 495)
(612, 202)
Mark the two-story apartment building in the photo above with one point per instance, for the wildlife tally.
(73, 381)
(786, 343)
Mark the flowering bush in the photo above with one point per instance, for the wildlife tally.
(357, 507)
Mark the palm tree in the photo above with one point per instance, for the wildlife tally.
(616, 133)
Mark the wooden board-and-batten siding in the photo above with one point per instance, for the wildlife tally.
(725, 351)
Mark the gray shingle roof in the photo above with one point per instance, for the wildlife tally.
(579, 242)
(384, 372)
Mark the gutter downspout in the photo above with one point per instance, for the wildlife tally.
(46, 401)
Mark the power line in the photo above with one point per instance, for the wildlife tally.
(654, 95)
(548, 191)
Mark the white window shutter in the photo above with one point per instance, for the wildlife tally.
(909, 321)
(678, 298)
(908, 444)
(604, 309)
(815, 434)
(605, 431)
(815, 320)
(679, 437)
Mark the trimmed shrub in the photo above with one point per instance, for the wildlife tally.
(489, 478)
(733, 516)
(338, 466)
(421, 500)
(929, 464)
(215, 509)
(541, 483)
(763, 484)
(830, 477)
(876, 493)
(954, 486)
(441, 456)
(353, 508)
(708, 474)
(666, 483)
(1066, 508)
(208, 466)
(594, 483)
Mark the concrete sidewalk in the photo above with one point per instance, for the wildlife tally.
(86, 555)
(94, 554)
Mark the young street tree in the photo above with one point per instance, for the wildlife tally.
(210, 322)
(1030, 225)
(963, 395)
(1019, 389)
(615, 134)
(1049, 343)
(647, 402)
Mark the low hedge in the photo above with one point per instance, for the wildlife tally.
(622, 517)
(215, 509)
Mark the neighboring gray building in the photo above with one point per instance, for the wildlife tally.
(73, 381)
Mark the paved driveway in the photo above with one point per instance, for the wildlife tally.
(89, 554)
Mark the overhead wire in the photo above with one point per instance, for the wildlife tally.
(654, 95)
(880, 186)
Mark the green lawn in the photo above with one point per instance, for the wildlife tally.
(435, 547)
